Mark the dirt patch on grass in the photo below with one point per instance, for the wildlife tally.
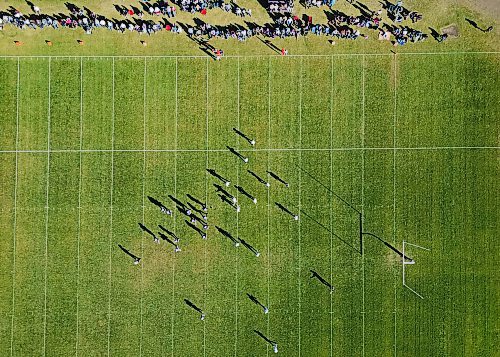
(451, 30)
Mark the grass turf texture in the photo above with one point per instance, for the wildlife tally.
(411, 141)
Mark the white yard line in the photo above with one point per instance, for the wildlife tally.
(331, 206)
(363, 198)
(277, 55)
(237, 221)
(15, 218)
(206, 200)
(300, 193)
(143, 203)
(47, 221)
(418, 148)
(111, 202)
(268, 199)
(175, 194)
(79, 211)
(394, 193)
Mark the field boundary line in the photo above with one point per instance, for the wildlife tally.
(79, 211)
(14, 238)
(394, 193)
(300, 193)
(175, 194)
(111, 202)
(206, 201)
(363, 195)
(237, 218)
(143, 194)
(261, 56)
(331, 205)
(409, 148)
(47, 218)
(268, 198)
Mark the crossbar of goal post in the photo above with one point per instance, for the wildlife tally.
(411, 262)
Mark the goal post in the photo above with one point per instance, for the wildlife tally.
(410, 262)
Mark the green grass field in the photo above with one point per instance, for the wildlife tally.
(410, 141)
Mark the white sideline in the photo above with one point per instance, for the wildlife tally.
(15, 218)
(47, 221)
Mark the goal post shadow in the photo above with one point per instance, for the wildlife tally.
(411, 262)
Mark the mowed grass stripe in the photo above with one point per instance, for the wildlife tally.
(221, 268)
(347, 101)
(223, 103)
(461, 282)
(458, 111)
(378, 101)
(65, 104)
(315, 255)
(285, 75)
(284, 298)
(346, 258)
(8, 99)
(62, 254)
(380, 261)
(192, 94)
(126, 277)
(160, 108)
(190, 264)
(316, 102)
(33, 99)
(254, 100)
(129, 104)
(252, 270)
(97, 104)
(94, 259)
(7, 221)
(30, 255)
(158, 259)
(315, 240)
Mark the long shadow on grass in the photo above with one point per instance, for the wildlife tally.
(329, 230)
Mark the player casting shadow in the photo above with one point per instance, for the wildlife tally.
(198, 230)
(277, 178)
(287, 211)
(176, 201)
(249, 247)
(228, 235)
(170, 233)
(473, 24)
(250, 141)
(271, 342)
(238, 154)
(322, 280)
(258, 303)
(195, 308)
(434, 34)
(197, 210)
(126, 251)
(245, 193)
(258, 178)
(195, 200)
(146, 229)
(330, 231)
(219, 188)
(270, 45)
(218, 176)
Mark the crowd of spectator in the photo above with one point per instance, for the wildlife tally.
(284, 24)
